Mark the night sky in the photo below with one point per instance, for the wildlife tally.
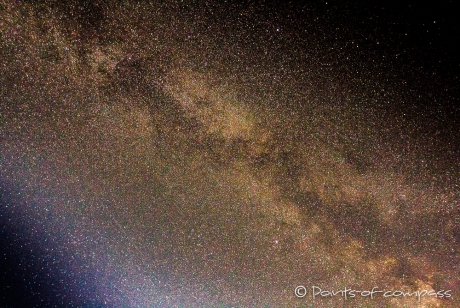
(219, 154)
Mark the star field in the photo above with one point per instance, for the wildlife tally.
(201, 154)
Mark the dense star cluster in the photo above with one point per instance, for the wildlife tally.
(219, 154)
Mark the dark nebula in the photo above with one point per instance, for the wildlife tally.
(219, 154)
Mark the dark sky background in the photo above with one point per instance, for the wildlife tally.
(218, 154)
